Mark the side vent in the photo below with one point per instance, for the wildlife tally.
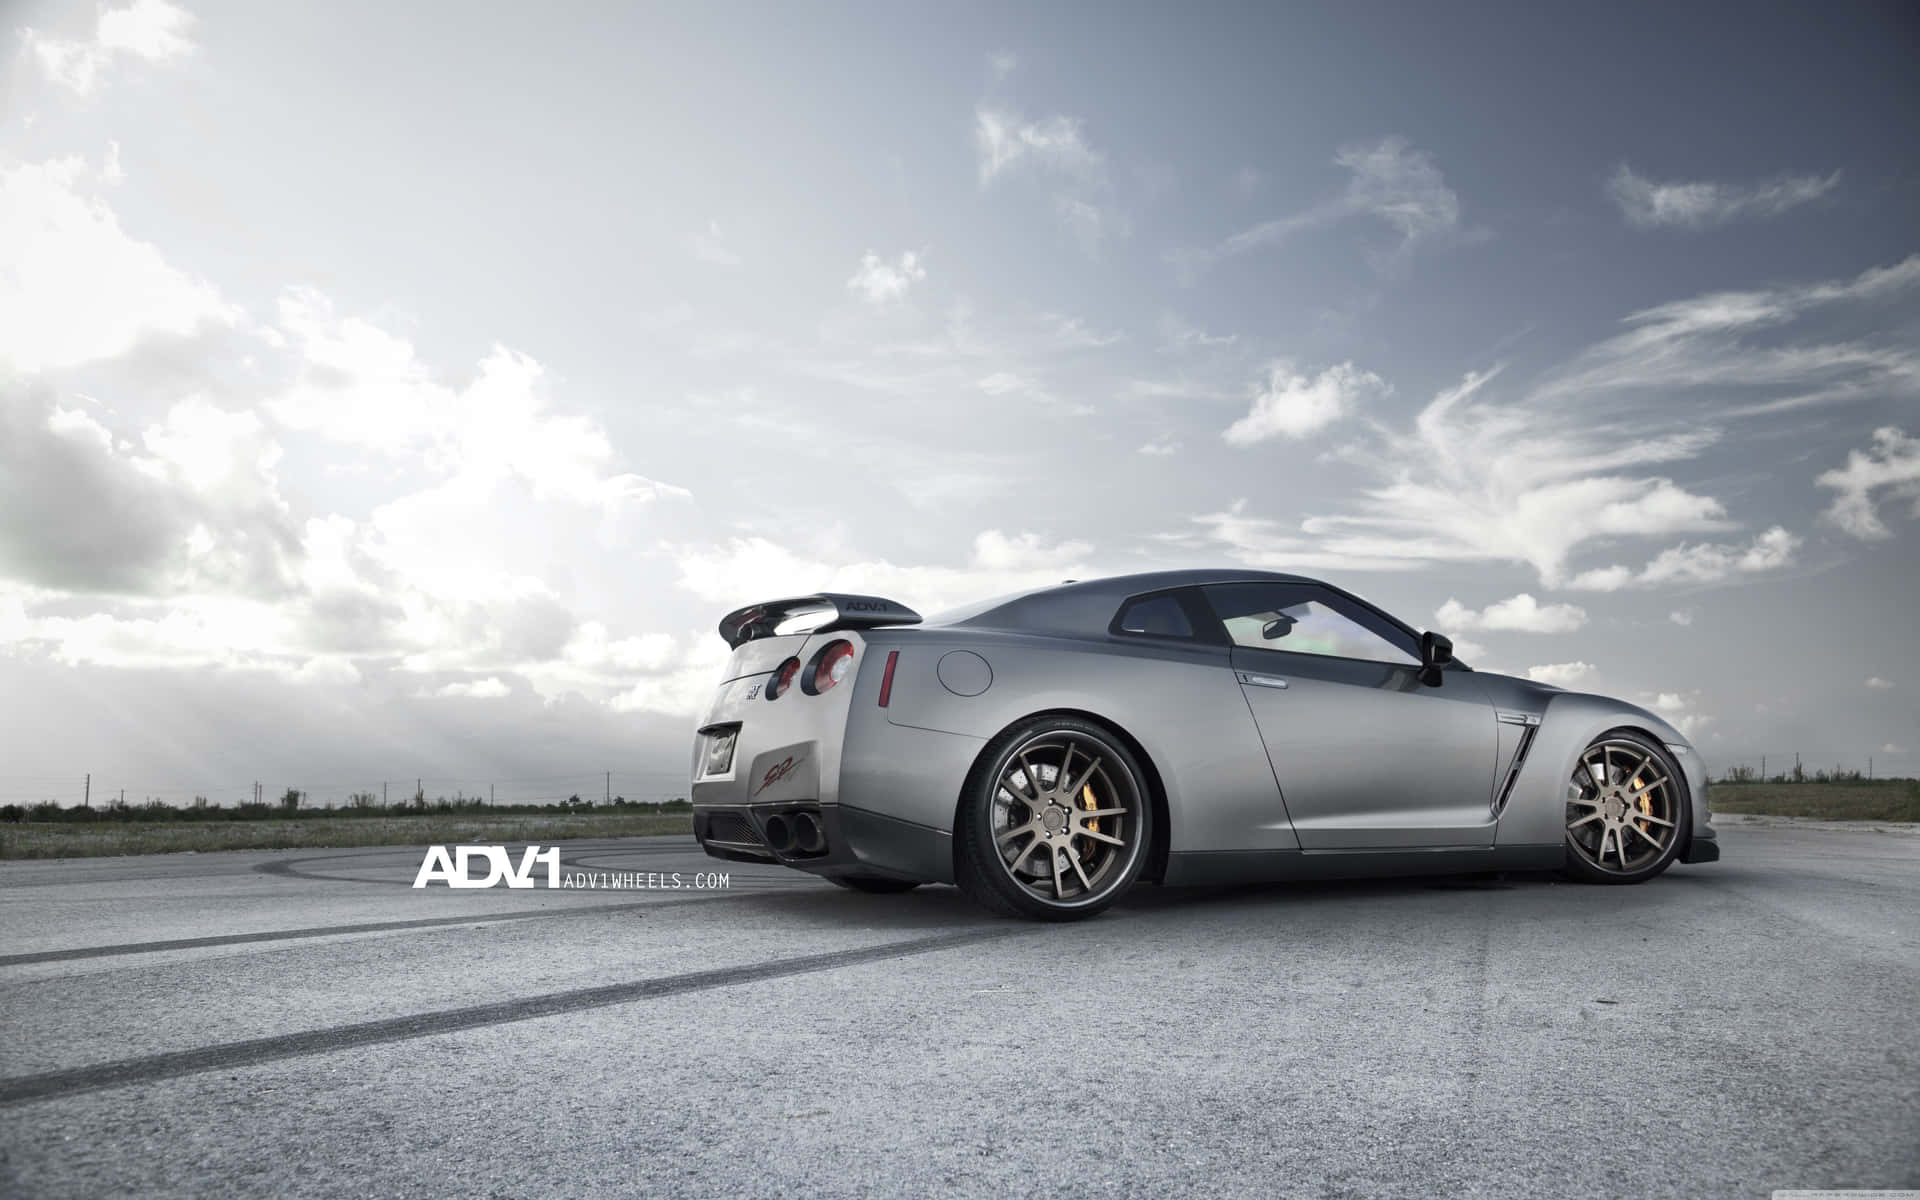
(1531, 721)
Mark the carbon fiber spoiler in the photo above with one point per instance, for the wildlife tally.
(846, 612)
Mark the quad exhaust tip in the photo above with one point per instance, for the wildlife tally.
(779, 833)
(808, 837)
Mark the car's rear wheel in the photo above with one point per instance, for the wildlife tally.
(1627, 810)
(1055, 822)
(874, 884)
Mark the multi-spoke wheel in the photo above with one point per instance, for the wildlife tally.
(1626, 810)
(1056, 823)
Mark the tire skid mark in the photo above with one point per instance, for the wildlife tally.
(52, 1085)
(288, 935)
(238, 939)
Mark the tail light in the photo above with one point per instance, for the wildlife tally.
(833, 664)
(783, 679)
(886, 680)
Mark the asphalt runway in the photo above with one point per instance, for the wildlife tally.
(306, 1023)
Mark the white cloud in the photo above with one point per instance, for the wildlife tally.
(1061, 332)
(151, 30)
(1650, 205)
(1563, 675)
(881, 281)
(1702, 562)
(1480, 481)
(1680, 712)
(1002, 383)
(1005, 140)
(1179, 335)
(326, 671)
(1465, 648)
(996, 551)
(194, 505)
(1890, 467)
(490, 688)
(1521, 613)
(1161, 447)
(1878, 683)
(1389, 181)
(685, 688)
(224, 631)
(1705, 343)
(362, 386)
(1296, 406)
(1092, 224)
(1891, 748)
(1399, 185)
(1262, 542)
(74, 286)
(745, 570)
(709, 245)
(1681, 616)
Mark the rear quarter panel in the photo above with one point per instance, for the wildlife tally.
(1180, 703)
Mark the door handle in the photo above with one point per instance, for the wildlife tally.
(1270, 681)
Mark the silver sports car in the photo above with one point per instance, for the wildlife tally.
(1048, 750)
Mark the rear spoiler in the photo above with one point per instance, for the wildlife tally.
(847, 612)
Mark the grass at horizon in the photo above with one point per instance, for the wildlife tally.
(1895, 800)
(47, 839)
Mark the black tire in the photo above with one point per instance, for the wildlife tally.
(874, 884)
(984, 872)
(1678, 807)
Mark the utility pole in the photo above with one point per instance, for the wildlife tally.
(489, 795)
(1869, 768)
(86, 797)
(609, 787)
(1763, 768)
(383, 793)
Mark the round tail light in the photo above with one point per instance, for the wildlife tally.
(783, 679)
(833, 664)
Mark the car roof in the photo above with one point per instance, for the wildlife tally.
(1087, 606)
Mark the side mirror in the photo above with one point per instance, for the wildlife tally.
(1436, 651)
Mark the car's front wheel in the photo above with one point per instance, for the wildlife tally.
(1627, 810)
(1055, 822)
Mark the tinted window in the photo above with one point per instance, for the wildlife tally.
(1157, 616)
(1304, 619)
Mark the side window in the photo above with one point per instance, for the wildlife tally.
(1303, 619)
(1154, 616)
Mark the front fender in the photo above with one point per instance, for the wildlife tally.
(1536, 812)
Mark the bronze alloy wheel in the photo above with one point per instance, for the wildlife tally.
(1057, 827)
(1626, 810)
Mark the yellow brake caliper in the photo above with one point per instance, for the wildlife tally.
(1086, 798)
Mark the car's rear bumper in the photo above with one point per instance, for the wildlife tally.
(857, 841)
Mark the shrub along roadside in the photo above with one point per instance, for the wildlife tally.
(1888, 800)
(361, 806)
(84, 839)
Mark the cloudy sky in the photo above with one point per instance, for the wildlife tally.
(407, 390)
